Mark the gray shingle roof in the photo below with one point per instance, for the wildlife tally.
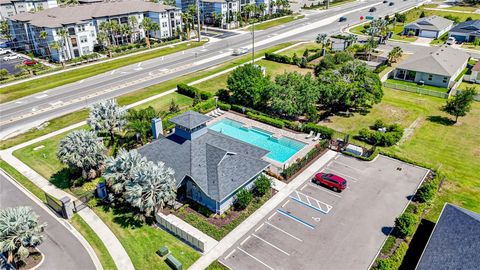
(190, 119)
(217, 163)
(434, 23)
(445, 61)
(61, 16)
(455, 241)
(468, 27)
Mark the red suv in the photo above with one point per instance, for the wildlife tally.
(332, 181)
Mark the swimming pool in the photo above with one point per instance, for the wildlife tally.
(281, 149)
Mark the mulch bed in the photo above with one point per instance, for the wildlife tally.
(34, 259)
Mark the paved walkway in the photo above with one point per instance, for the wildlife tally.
(235, 235)
(115, 248)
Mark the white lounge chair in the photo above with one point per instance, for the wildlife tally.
(317, 137)
(309, 135)
(216, 113)
(220, 111)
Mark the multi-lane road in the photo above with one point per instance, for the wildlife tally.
(30, 111)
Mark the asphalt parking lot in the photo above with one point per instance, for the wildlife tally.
(10, 64)
(316, 228)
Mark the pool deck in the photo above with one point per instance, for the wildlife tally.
(276, 132)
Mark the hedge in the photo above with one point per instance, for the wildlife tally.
(300, 163)
(224, 106)
(191, 91)
(278, 58)
(205, 106)
(265, 119)
(394, 261)
(325, 132)
(405, 225)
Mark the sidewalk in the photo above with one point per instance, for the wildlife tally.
(235, 235)
(118, 253)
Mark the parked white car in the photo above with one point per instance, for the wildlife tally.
(11, 57)
(240, 51)
(3, 51)
(450, 41)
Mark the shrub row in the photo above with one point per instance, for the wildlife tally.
(394, 261)
(392, 135)
(224, 106)
(278, 58)
(314, 56)
(191, 91)
(300, 163)
(325, 132)
(265, 119)
(205, 106)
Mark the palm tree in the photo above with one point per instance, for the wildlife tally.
(322, 39)
(186, 19)
(139, 122)
(44, 35)
(153, 187)
(19, 230)
(108, 117)
(63, 34)
(133, 23)
(395, 54)
(55, 45)
(262, 7)
(148, 25)
(83, 150)
(119, 171)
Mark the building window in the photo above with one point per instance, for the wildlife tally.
(83, 39)
(10, 14)
(74, 42)
(71, 31)
(123, 20)
(445, 79)
(430, 77)
(164, 24)
(85, 50)
(92, 33)
(81, 28)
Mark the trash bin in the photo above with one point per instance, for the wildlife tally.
(101, 190)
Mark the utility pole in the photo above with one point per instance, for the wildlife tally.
(328, 3)
(198, 21)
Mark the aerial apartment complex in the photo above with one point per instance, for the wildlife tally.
(76, 28)
(9, 8)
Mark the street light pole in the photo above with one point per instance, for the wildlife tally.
(198, 21)
(253, 35)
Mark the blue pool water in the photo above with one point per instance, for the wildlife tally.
(281, 149)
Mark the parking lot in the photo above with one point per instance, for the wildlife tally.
(10, 64)
(316, 228)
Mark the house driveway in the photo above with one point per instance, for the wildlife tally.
(423, 41)
(61, 248)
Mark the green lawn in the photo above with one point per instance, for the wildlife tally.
(451, 148)
(413, 84)
(397, 32)
(275, 22)
(463, 8)
(34, 86)
(216, 266)
(299, 49)
(95, 242)
(470, 46)
(141, 241)
(75, 117)
(464, 85)
(22, 180)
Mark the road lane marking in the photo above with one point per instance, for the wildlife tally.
(301, 221)
(255, 258)
(270, 244)
(41, 96)
(285, 232)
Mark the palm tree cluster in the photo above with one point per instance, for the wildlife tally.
(19, 230)
(395, 54)
(144, 184)
(113, 33)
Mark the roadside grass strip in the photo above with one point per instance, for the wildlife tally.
(311, 202)
(299, 220)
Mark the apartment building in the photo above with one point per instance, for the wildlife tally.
(36, 32)
(9, 8)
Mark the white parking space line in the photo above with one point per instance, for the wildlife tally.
(285, 204)
(270, 244)
(259, 227)
(270, 217)
(346, 165)
(317, 204)
(324, 190)
(285, 232)
(255, 258)
(245, 240)
(229, 254)
(342, 174)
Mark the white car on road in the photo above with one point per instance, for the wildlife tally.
(3, 51)
(240, 51)
(11, 57)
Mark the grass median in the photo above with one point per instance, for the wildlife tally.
(275, 22)
(19, 90)
(78, 116)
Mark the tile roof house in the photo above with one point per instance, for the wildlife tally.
(466, 31)
(454, 242)
(429, 27)
(209, 166)
(438, 68)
